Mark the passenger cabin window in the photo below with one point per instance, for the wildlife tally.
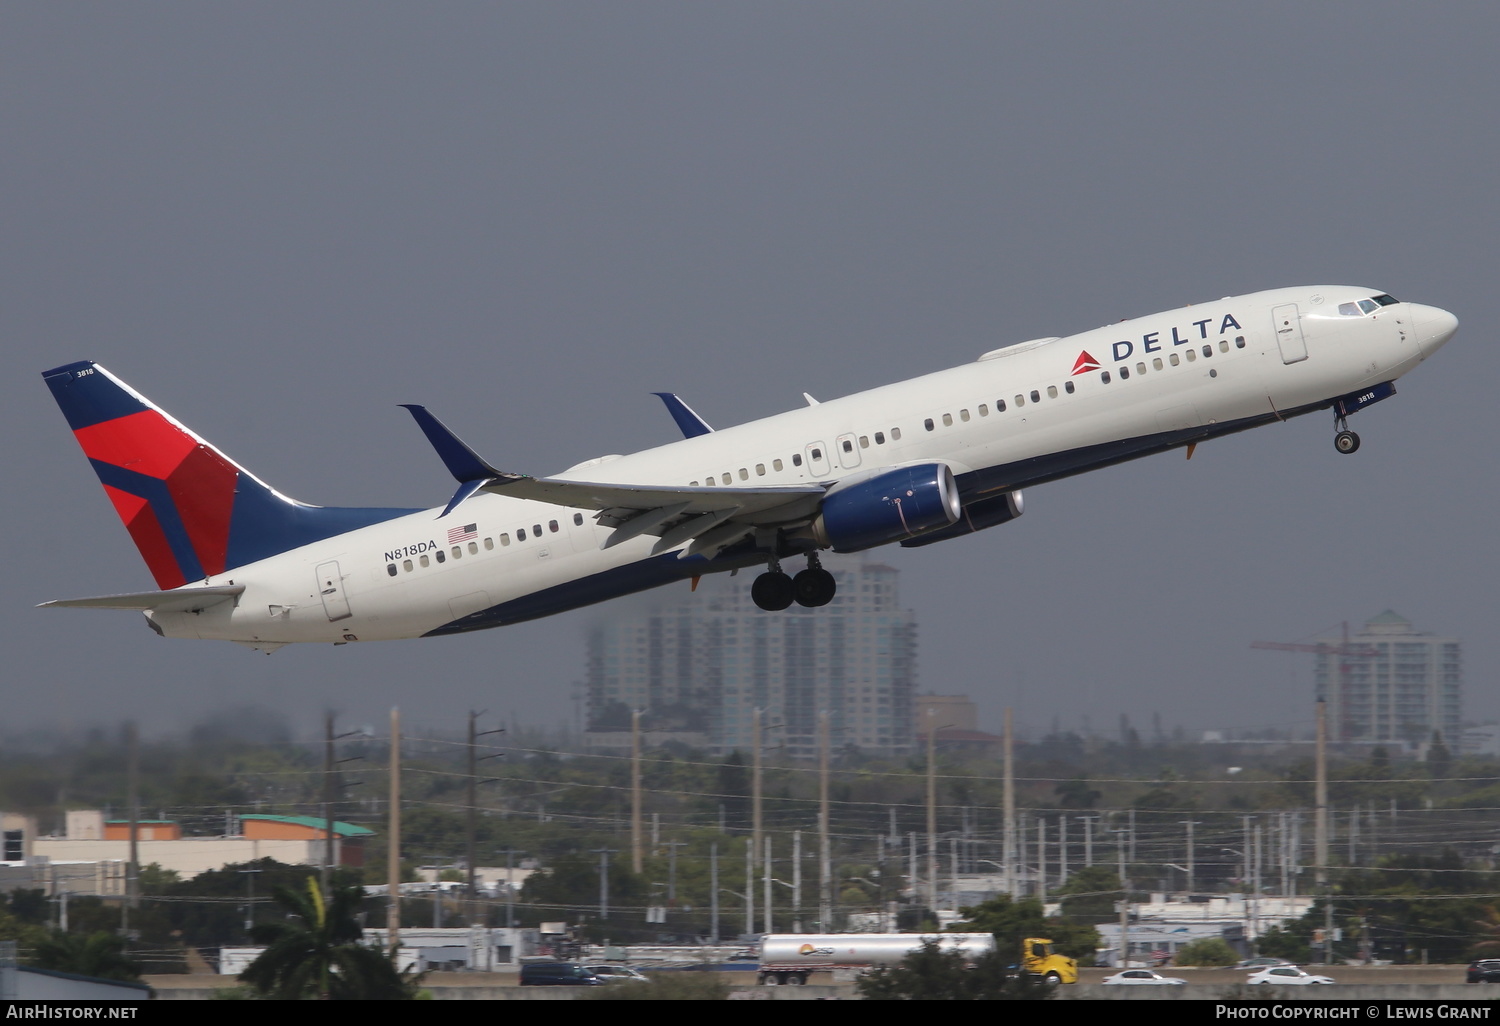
(440, 557)
(880, 438)
(474, 548)
(760, 470)
(390, 568)
(744, 474)
(864, 441)
(999, 405)
(776, 466)
(1124, 373)
(847, 445)
(536, 529)
(1208, 350)
(728, 477)
(796, 459)
(1036, 396)
(406, 565)
(1068, 387)
(489, 545)
(504, 540)
(520, 534)
(1051, 391)
(963, 415)
(552, 526)
(577, 520)
(424, 561)
(895, 434)
(1192, 354)
(1173, 360)
(1020, 400)
(1140, 368)
(947, 420)
(1223, 345)
(1104, 376)
(1156, 364)
(928, 424)
(817, 454)
(984, 411)
(1239, 341)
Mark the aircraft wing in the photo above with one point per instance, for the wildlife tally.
(708, 519)
(180, 599)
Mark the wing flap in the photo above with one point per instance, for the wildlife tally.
(190, 600)
(792, 500)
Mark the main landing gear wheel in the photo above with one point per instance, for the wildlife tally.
(773, 590)
(1346, 442)
(814, 587)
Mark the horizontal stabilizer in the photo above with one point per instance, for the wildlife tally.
(686, 417)
(189, 600)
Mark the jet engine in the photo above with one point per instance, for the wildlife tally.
(976, 516)
(890, 506)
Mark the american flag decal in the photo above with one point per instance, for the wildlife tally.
(460, 534)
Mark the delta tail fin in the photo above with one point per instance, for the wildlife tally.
(191, 511)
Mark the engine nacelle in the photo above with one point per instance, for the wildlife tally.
(891, 506)
(976, 516)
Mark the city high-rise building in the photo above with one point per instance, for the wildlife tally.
(1391, 683)
(701, 664)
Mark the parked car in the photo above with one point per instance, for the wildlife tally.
(1143, 977)
(557, 974)
(1289, 974)
(617, 973)
(1484, 970)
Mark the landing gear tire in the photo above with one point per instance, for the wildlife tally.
(814, 587)
(1346, 442)
(773, 591)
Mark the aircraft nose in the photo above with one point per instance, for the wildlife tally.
(1434, 327)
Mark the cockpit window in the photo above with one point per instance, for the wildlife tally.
(1385, 300)
(1368, 305)
(1348, 309)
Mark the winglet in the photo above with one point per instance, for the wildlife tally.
(810, 400)
(687, 420)
(462, 462)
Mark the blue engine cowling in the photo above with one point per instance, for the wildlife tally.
(998, 509)
(897, 504)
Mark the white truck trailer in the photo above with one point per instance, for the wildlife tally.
(792, 957)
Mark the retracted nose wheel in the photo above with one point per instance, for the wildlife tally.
(772, 590)
(1346, 442)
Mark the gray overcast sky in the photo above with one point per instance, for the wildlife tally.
(279, 220)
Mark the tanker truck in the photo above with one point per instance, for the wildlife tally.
(792, 957)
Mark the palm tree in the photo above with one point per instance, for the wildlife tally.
(101, 955)
(317, 951)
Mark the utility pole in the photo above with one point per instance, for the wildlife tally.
(1189, 823)
(1088, 837)
(393, 846)
(604, 854)
(749, 886)
(1041, 859)
(325, 871)
(635, 790)
(672, 847)
(755, 809)
(825, 866)
(766, 877)
(797, 881)
(471, 854)
(713, 889)
(1008, 829)
(932, 857)
(133, 799)
(1124, 906)
(1062, 850)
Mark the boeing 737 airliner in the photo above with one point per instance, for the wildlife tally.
(916, 462)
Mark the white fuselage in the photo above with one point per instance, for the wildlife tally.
(1192, 373)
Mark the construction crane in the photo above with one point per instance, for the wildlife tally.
(1344, 649)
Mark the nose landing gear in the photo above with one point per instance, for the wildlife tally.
(774, 590)
(1345, 441)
